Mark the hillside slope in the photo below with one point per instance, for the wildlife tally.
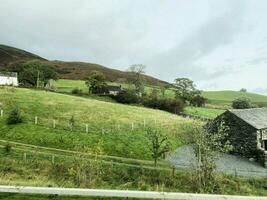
(10, 54)
(229, 96)
(69, 70)
(116, 129)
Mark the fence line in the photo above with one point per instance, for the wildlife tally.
(121, 193)
(85, 127)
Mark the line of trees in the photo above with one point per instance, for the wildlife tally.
(34, 73)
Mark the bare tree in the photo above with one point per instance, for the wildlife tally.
(136, 76)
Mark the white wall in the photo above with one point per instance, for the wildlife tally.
(5, 80)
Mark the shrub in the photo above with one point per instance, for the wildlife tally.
(76, 91)
(14, 116)
(170, 105)
(241, 103)
(127, 97)
(198, 101)
(7, 148)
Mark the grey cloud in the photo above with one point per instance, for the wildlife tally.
(181, 60)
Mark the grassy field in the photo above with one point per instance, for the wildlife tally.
(110, 124)
(204, 112)
(99, 158)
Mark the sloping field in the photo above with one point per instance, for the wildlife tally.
(229, 96)
(99, 127)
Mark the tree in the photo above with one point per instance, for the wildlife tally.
(34, 73)
(241, 103)
(243, 90)
(127, 97)
(154, 93)
(136, 77)
(159, 144)
(96, 83)
(206, 147)
(185, 89)
(14, 116)
(198, 101)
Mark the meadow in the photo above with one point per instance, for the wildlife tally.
(114, 153)
(116, 129)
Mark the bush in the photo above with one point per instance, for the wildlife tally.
(241, 103)
(14, 117)
(198, 101)
(170, 105)
(127, 97)
(7, 148)
(76, 91)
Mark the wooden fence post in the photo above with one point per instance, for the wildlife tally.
(86, 128)
(103, 131)
(54, 123)
(144, 123)
(236, 172)
(173, 171)
(36, 120)
(24, 156)
(1, 113)
(119, 126)
(132, 126)
(53, 159)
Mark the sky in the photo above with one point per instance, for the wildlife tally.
(220, 44)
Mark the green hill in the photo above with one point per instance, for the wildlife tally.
(228, 96)
(116, 129)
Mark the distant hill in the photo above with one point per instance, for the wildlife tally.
(227, 96)
(10, 54)
(69, 70)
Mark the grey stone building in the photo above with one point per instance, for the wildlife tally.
(247, 132)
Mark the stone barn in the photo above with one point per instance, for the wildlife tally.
(247, 132)
(9, 78)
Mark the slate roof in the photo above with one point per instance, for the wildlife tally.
(114, 88)
(256, 117)
(8, 74)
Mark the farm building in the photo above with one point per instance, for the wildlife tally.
(112, 89)
(247, 132)
(9, 78)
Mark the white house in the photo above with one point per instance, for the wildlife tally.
(9, 78)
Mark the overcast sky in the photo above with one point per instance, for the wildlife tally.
(220, 44)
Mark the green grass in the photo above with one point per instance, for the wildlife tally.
(204, 112)
(229, 96)
(113, 119)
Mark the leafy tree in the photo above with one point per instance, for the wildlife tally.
(96, 83)
(34, 72)
(241, 103)
(185, 89)
(159, 144)
(136, 77)
(198, 101)
(127, 97)
(243, 90)
(14, 116)
(170, 105)
(154, 93)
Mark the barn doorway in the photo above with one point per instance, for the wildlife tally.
(265, 145)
